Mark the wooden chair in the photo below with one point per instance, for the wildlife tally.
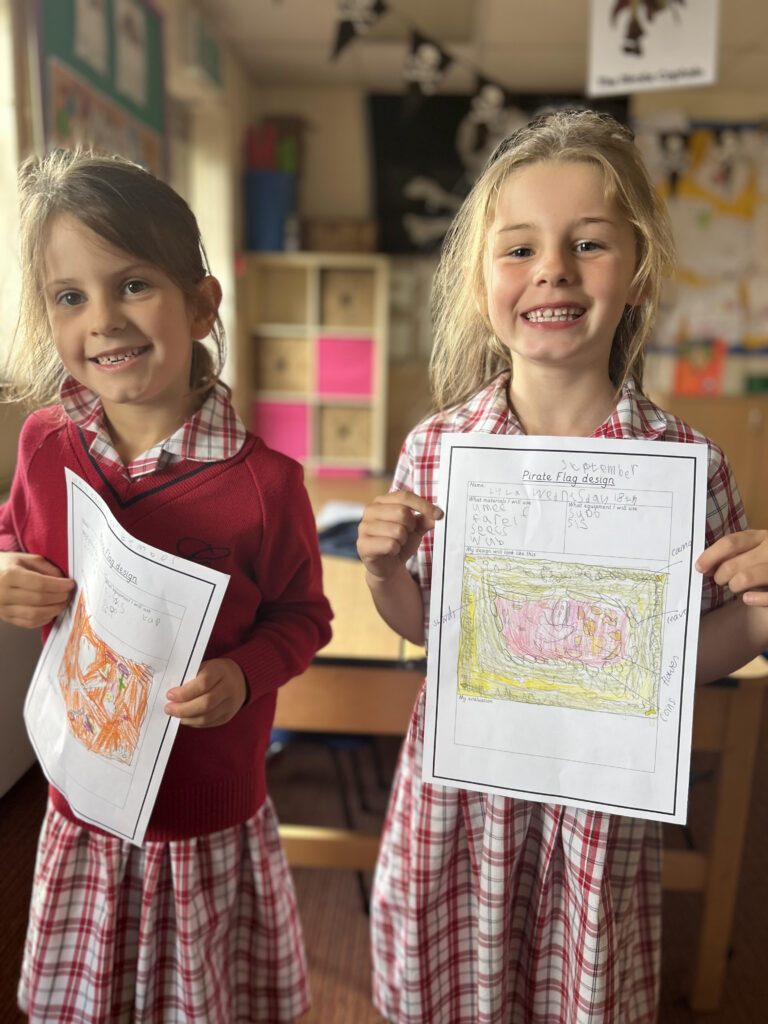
(378, 699)
(726, 721)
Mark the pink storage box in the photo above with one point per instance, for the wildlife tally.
(345, 366)
(283, 426)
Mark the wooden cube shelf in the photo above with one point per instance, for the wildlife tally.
(283, 364)
(312, 357)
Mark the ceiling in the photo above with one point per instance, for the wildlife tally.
(525, 45)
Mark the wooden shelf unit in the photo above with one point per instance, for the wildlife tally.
(312, 357)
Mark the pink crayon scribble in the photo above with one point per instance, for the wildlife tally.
(579, 631)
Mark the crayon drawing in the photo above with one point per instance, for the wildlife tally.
(105, 693)
(564, 634)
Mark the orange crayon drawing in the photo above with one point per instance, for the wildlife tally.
(105, 694)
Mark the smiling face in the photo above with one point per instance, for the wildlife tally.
(121, 327)
(559, 267)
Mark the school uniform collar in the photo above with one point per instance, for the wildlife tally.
(488, 411)
(213, 433)
(635, 415)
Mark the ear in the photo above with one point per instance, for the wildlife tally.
(205, 305)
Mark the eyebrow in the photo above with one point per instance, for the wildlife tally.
(581, 222)
(71, 282)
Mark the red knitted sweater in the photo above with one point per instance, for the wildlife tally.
(248, 516)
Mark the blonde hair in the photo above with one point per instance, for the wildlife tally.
(466, 354)
(130, 209)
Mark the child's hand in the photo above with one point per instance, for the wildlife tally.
(32, 590)
(391, 530)
(215, 695)
(740, 562)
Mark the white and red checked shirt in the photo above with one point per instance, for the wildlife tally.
(214, 432)
(492, 910)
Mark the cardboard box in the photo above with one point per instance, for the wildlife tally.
(340, 235)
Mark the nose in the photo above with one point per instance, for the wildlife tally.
(555, 267)
(107, 317)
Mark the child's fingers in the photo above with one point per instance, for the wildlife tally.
(401, 507)
(41, 566)
(208, 709)
(214, 696)
(30, 617)
(393, 524)
(32, 590)
(756, 598)
(729, 547)
(740, 574)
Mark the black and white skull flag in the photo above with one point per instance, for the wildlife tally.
(356, 17)
(425, 64)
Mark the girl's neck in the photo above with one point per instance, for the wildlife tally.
(561, 404)
(134, 429)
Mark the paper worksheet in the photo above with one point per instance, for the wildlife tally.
(564, 620)
(138, 623)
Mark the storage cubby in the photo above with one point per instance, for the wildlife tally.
(312, 357)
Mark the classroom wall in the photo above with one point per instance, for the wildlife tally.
(9, 158)
(711, 104)
(337, 181)
(337, 172)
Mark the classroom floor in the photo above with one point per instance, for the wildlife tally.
(303, 780)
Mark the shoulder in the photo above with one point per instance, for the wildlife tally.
(271, 471)
(671, 428)
(486, 410)
(42, 426)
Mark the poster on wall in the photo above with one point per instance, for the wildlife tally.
(426, 157)
(131, 50)
(637, 45)
(102, 80)
(91, 33)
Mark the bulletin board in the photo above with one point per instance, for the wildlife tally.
(712, 331)
(102, 77)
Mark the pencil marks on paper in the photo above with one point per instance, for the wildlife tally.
(561, 633)
(105, 693)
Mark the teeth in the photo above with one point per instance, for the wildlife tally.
(119, 357)
(556, 314)
(553, 314)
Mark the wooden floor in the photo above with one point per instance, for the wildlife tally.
(304, 785)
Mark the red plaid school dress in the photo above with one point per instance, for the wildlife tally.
(490, 910)
(196, 930)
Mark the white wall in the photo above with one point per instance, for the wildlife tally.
(336, 171)
(705, 104)
(9, 159)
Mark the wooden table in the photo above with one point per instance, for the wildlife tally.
(367, 680)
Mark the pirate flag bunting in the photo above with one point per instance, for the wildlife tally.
(425, 64)
(356, 17)
(489, 100)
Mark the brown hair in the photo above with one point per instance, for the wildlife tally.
(130, 209)
(466, 354)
